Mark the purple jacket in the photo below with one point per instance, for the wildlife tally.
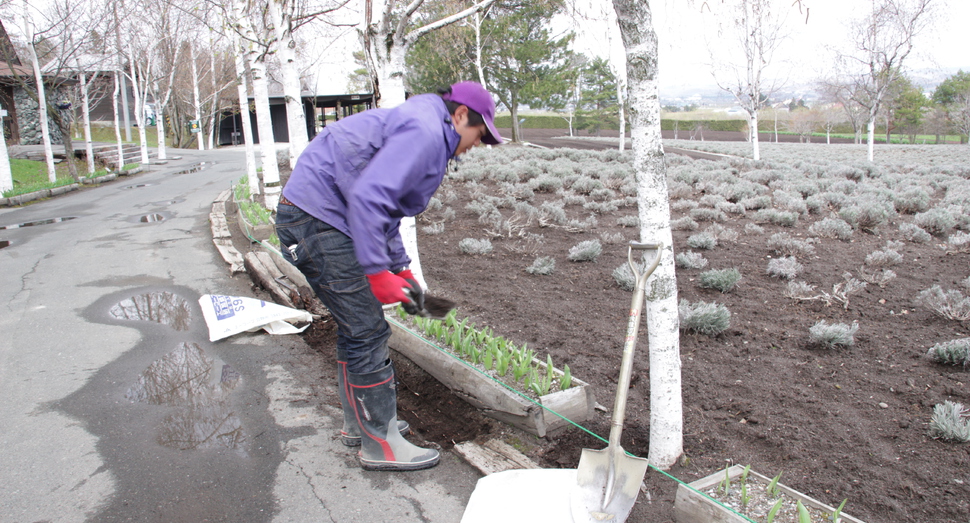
(364, 173)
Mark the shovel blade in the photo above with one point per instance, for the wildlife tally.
(607, 485)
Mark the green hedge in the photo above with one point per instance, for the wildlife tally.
(557, 122)
(708, 125)
(764, 125)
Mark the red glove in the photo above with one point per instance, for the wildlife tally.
(387, 287)
(415, 294)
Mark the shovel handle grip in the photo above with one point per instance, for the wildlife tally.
(644, 246)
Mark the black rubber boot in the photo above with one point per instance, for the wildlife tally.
(374, 400)
(350, 433)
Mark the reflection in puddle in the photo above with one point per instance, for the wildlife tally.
(199, 387)
(161, 307)
(137, 186)
(152, 218)
(38, 222)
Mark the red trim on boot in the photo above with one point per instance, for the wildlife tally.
(385, 446)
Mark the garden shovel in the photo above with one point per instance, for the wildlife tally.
(609, 480)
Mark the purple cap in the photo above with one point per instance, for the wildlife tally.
(478, 99)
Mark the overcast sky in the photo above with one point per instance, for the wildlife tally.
(684, 33)
(807, 54)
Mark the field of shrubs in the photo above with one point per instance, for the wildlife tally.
(823, 306)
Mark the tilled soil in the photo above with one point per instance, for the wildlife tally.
(838, 423)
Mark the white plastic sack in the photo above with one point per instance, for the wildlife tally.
(228, 315)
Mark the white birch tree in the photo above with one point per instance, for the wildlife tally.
(115, 101)
(141, 84)
(243, 92)
(28, 27)
(281, 19)
(256, 47)
(883, 40)
(663, 326)
(754, 30)
(386, 38)
(6, 175)
(196, 102)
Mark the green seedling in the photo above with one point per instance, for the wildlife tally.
(549, 366)
(803, 515)
(726, 484)
(488, 360)
(530, 378)
(773, 486)
(838, 512)
(745, 497)
(774, 511)
(566, 380)
(744, 473)
(502, 366)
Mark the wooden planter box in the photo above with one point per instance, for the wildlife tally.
(693, 507)
(260, 232)
(496, 401)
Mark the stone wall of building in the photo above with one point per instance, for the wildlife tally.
(28, 120)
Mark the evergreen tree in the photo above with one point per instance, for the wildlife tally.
(906, 108)
(599, 105)
(527, 65)
(953, 94)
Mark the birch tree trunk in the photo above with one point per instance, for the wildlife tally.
(478, 49)
(753, 131)
(214, 123)
(114, 98)
(295, 117)
(86, 122)
(871, 128)
(196, 104)
(6, 176)
(243, 92)
(161, 103)
(264, 122)
(136, 82)
(41, 99)
(663, 326)
(160, 126)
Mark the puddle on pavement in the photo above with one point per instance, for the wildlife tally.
(199, 387)
(160, 307)
(38, 222)
(195, 168)
(148, 218)
(4, 243)
(137, 186)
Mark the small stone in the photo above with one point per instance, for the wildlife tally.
(883, 405)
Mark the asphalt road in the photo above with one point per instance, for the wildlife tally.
(116, 407)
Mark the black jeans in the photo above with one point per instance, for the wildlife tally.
(326, 257)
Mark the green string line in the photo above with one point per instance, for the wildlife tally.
(534, 402)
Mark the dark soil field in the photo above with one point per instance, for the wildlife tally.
(838, 423)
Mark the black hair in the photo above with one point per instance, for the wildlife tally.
(474, 117)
